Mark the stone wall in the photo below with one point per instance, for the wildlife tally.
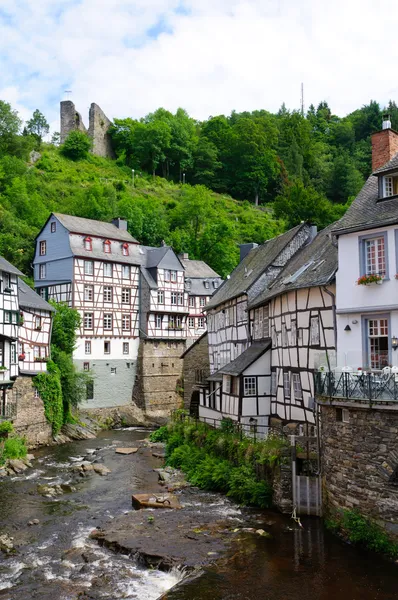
(159, 375)
(98, 127)
(196, 358)
(359, 458)
(30, 421)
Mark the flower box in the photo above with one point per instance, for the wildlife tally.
(370, 280)
(21, 357)
(40, 359)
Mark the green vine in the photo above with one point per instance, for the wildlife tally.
(49, 387)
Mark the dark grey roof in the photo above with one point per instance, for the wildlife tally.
(199, 339)
(367, 211)
(392, 165)
(93, 227)
(197, 286)
(197, 268)
(251, 267)
(135, 257)
(247, 358)
(8, 267)
(148, 278)
(314, 264)
(29, 299)
(163, 257)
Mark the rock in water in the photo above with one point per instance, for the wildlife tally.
(17, 465)
(6, 543)
(78, 432)
(101, 469)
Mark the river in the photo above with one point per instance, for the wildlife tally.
(56, 559)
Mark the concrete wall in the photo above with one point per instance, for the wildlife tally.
(358, 459)
(30, 421)
(196, 359)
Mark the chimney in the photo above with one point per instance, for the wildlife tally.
(384, 144)
(120, 223)
(245, 249)
(183, 255)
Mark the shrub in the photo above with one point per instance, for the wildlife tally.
(76, 145)
(160, 435)
(13, 447)
(6, 427)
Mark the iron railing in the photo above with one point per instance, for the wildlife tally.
(8, 410)
(373, 387)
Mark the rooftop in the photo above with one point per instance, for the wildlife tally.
(29, 299)
(197, 268)
(248, 357)
(94, 227)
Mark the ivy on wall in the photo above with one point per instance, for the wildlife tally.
(49, 387)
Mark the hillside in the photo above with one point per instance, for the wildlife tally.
(193, 219)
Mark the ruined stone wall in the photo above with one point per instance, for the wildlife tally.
(159, 376)
(196, 359)
(98, 128)
(359, 459)
(30, 421)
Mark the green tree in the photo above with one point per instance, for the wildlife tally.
(38, 126)
(66, 322)
(76, 145)
(10, 124)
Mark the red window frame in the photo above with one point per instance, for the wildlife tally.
(125, 249)
(88, 243)
(107, 247)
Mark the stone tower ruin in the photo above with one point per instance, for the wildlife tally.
(97, 129)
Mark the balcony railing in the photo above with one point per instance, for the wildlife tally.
(8, 409)
(373, 387)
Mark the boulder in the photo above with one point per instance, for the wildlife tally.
(50, 491)
(78, 432)
(16, 465)
(67, 488)
(6, 543)
(126, 450)
(101, 469)
(155, 501)
(3, 472)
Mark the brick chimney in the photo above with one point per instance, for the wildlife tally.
(384, 144)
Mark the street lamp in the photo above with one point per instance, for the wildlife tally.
(183, 178)
(132, 170)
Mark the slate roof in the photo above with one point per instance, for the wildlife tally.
(392, 165)
(149, 279)
(199, 339)
(244, 360)
(29, 299)
(321, 257)
(251, 267)
(197, 268)
(367, 211)
(7, 267)
(163, 256)
(93, 227)
(134, 258)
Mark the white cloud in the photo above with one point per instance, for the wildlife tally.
(213, 56)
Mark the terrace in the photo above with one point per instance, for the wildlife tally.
(371, 387)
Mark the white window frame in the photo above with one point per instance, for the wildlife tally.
(107, 293)
(88, 267)
(178, 321)
(88, 293)
(173, 298)
(192, 301)
(108, 322)
(126, 323)
(273, 383)
(43, 248)
(53, 227)
(375, 256)
(42, 271)
(388, 186)
(180, 299)
(125, 249)
(201, 323)
(249, 386)
(87, 347)
(126, 348)
(158, 321)
(315, 333)
(167, 275)
(108, 269)
(88, 319)
(297, 389)
(160, 297)
(286, 384)
(126, 295)
(202, 301)
(88, 244)
(173, 276)
(37, 322)
(191, 322)
(126, 272)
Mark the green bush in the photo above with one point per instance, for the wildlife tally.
(6, 427)
(13, 447)
(49, 387)
(76, 145)
(160, 435)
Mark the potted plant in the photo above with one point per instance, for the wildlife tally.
(21, 356)
(370, 279)
(3, 368)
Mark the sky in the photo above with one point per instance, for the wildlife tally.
(207, 56)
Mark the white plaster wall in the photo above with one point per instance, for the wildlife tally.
(97, 349)
(349, 294)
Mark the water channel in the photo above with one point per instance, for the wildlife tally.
(57, 559)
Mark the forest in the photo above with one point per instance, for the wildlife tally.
(202, 187)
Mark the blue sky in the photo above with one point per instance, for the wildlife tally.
(208, 56)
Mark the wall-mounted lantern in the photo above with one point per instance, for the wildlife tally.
(394, 342)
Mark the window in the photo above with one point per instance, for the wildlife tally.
(293, 332)
(88, 267)
(113, 370)
(192, 301)
(178, 321)
(160, 297)
(86, 366)
(125, 249)
(108, 321)
(286, 384)
(13, 352)
(53, 227)
(377, 343)
(7, 316)
(249, 386)
(126, 323)
(43, 248)
(108, 293)
(35, 390)
(273, 383)
(88, 293)
(43, 293)
(235, 386)
(227, 384)
(314, 331)
(126, 348)
(343, 415)
(172, 322)
(298, 392)
(90, 390)
(88, 320)
(158, 321)
(107, 347)
(284, 335)
(202, 301)
(198, 375)
(42, 271)
(36, 352)
(390, 185)
(6, 280)
(125, 295)
(207, 285)
(191, 322)
(215, 283)
(125, 272)
(107, 247)
(107, 269)
(180, 299)
(37, 322)
(173, 276)
(201, 322)
(373, 259)
(87, 347)
(167, 275)
(188, 284)
(174, 298)
(88, 244)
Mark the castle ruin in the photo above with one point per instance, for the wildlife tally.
(97, 129)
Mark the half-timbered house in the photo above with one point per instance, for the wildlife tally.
(94, 267)
(201, 282)
(9, 324)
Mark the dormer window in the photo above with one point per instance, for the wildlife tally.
(107, 247)
(215, 283)
(188, 284)
(88, 244)
(207, 285)
(390, 185)
(125, 249)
